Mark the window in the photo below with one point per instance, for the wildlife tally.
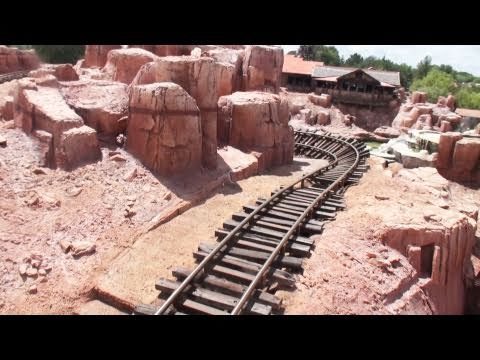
(426, 260)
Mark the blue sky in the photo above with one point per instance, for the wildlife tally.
(461, 57)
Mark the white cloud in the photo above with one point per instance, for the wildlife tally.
(461, 57)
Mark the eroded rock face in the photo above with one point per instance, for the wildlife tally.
(43, 111)
(103, 105)
(257, 121)
(63, 72)
(262, 68)
(439, 253)
(418, 97)
(96, 55)
(13, 59)
(123, 64)
(164, 129)
(205, 80)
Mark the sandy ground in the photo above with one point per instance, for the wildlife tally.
(350, 271)
(131, 278)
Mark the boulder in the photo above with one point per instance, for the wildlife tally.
(387, 132)
(63, 72)
(306, 116)
(418, 97)
(262, 68)
(164, 130)
(205, 80)
(450, 102)
(96, 55)
(13, 59)
(7, 109)
(323, 117)
(257, 121)
(446, 146)
(233, 57)
(47, 80)
(78, 146)
(445, 126)
(101, 104)
(323, 100)
(123, 64)
(466, 155)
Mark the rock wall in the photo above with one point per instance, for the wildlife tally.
(40, 110)
(13, 59)
(262, 68)
(123, 64)
(370, 119)
(440, 253)
(63, 72)
(205, 80)
(103, 105)
(257, 121)
(164, 129)
(96, 55)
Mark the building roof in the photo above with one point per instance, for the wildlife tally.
(468, 113)
(296, 65)
(388, 77)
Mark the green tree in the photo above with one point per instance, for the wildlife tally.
(436, 83)
(468, 98)
(327, 54)
(354, 60)
(464, 77)
(423, 67)
(58, 54)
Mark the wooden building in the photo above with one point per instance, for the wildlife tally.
(356, 86)
(297, 73)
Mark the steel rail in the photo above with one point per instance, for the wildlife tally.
(262, 272)
(234, 232)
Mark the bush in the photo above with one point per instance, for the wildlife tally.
(468, 98)
(59, 54)
(436, 83)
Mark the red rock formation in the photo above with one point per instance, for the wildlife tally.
(13, 59)
(262, 68)
(466, 155)
(205, 80)
(446, 145)
(387, 132)
(164, 129)
(78, 146)
(43, 108)
(96, 55)
(419, 97)
(438, 252)
(233, 57)
(7, 109)
(103, 105)
(323, 117)
(324, 100)
(123, 64)
(63, 72)
(257, 121)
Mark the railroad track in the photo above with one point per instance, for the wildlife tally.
(12, 76)
(260, 248)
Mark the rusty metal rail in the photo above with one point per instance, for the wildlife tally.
(12, 76)
(258, 246)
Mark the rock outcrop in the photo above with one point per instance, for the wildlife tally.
(257, 121)
(63, 72)
(40, 108)
(13, 59)
(262, 68)
(103, 105)
(205, 80)
(164, 129)
(96, 55)
(123, 64)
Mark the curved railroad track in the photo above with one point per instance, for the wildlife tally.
(12, 76)
(260, 248)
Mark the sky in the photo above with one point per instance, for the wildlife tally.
(460, 57)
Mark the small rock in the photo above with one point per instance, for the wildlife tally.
(129, 213)
(108, 206)
(381, 197)
(32, 272)
(132, 198)
(74, 191)
(371, 255)
(47, 267)
(32, 289)
(167, 196)
(42, 279)
(117, 158)
(80, 248)
(65, 245)
(428, 215)
(36, 264)
(33, 201)
(130, 175)
(111, 153)
(440, 203)
(42, 272)
(23, 269)
(39, 171)
(3, 141)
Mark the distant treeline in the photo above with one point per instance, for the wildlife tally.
(436, 80)
(56, 54)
